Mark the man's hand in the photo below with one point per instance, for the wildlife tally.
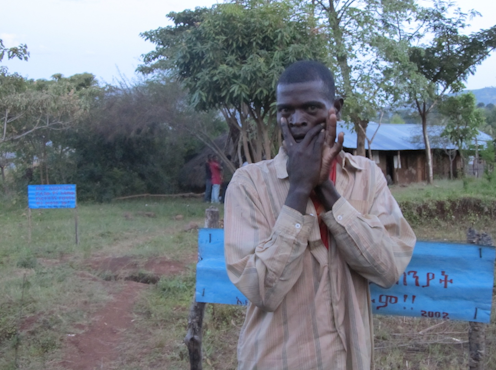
(331, 147)
(303, 165)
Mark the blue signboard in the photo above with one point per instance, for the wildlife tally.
(51, 196)
(443, 280)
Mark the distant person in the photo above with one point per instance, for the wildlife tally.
(208, 180)
(216, 170)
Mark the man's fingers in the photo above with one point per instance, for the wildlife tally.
(309, 137)
(318, 143)
(331, 123)
(286, 134)
(338, 146)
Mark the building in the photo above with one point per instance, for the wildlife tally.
(398, 149)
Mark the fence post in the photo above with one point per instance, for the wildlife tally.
(193, 339)
(477, 330)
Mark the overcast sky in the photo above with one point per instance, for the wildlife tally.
(102, 36)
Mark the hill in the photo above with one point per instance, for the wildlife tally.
(485, 95)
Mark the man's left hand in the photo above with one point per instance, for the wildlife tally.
(331, 147)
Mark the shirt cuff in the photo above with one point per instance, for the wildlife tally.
(341, 214)
(292, 223)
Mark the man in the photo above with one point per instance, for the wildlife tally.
(306, 232)
(216, 170)
(208, 180)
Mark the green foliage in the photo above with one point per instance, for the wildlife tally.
(233, 53)
(397, 119)
(230, 56)
(136, 141)
(110, 141)
(464, 119)
(20, 52)
(489, 112)
(488, 154)
(438, 59)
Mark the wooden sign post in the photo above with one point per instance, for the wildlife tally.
(52, 196)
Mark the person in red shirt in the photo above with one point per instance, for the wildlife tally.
(216, 170)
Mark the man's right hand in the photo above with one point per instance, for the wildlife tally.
(304, 164)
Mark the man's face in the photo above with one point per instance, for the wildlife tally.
(304, 105)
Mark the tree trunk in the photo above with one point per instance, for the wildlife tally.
(341, 52)
(267, 149)
(246, 149)
(476, 163)
(3, 179)
(40, 166)
(45, 163)
(452, 157)
(428, 155)
(361, 129)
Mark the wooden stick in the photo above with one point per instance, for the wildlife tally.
(29, 225)
(182, 195)
(193, 339)
(477, 330)
(432, 327)
(76, 224)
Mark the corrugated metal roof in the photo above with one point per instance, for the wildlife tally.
(400, 137)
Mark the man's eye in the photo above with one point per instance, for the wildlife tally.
(312, 108)
(284, 110)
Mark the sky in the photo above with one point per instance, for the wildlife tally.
(102, 36)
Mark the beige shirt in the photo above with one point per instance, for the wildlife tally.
(310, 307)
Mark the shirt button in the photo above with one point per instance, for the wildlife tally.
(340, 218)
(297, 226)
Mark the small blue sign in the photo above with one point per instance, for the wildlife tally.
(443, 281)
(51, 196)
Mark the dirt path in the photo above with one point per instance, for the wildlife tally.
(97, 344)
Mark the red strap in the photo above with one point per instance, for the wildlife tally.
(324, 233)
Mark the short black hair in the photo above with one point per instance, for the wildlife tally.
(309, 70)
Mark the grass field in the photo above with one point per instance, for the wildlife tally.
(52, 291)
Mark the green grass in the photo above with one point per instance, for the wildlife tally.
(446, 190)
(54, 297)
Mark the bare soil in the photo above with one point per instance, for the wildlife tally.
(96, 344)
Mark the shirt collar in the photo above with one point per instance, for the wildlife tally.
(346, 161)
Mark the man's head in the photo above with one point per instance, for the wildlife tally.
(306, 71)
(305, 94)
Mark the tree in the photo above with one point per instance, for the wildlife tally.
(229, 58)
(20, 52)
(358, 32)
(397, 119)
(464, 120)
(135, 140)
(490, 114)
(440, 62)
(35, 113)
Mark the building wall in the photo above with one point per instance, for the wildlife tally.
(403, 167)
(409, 166)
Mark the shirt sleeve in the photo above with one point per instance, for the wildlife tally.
(264, 261)
(377, 245)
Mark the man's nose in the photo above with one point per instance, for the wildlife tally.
(298, 119)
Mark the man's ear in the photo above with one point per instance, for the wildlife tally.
(338, 104)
